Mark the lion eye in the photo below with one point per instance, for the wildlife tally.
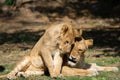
(66, 42)
(80, 50)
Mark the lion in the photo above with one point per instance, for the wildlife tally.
(74, 67)
(76, 61)
(57, 39)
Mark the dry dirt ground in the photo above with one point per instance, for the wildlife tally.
(19, 34)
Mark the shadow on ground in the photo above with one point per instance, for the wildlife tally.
(2, 68)
(23, 36)
(105, 38)
(72, 9)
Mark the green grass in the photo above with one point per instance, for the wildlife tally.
(104, 60)
(8, 68)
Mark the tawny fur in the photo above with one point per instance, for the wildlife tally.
(76, 63)
(57, 39)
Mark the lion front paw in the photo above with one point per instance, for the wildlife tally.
(22, 74)
(93, 72)
(53, 75)
(60, 76)
(115, 69)
(11, 76)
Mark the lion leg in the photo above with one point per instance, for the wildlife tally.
(57, 63)
(68, 71)
(19, 66)
(49, 61)
(31, 71)
(102, 68)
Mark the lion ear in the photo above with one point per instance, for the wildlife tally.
(78, 32)
(65, 29)
(89, 42)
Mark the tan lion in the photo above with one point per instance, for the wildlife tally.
(76, 63)
(56, 40)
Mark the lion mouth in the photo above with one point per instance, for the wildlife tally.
(71, 60)
(71, 64)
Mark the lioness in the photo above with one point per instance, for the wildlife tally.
(33, 70)
(76, 63)
(56, 40)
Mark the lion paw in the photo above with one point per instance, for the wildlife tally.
(56, 74)
(21, 74)
(60, 75)
(11, 76)
(93, 72)
(53, 75)
(115, 69)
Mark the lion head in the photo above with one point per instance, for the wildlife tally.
(67, 37)
(76, 57)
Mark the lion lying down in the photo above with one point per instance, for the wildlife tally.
(76, 62)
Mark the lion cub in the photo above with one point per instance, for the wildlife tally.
(76, 61)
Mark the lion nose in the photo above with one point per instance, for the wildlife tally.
(60, 47)
(72, 57)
